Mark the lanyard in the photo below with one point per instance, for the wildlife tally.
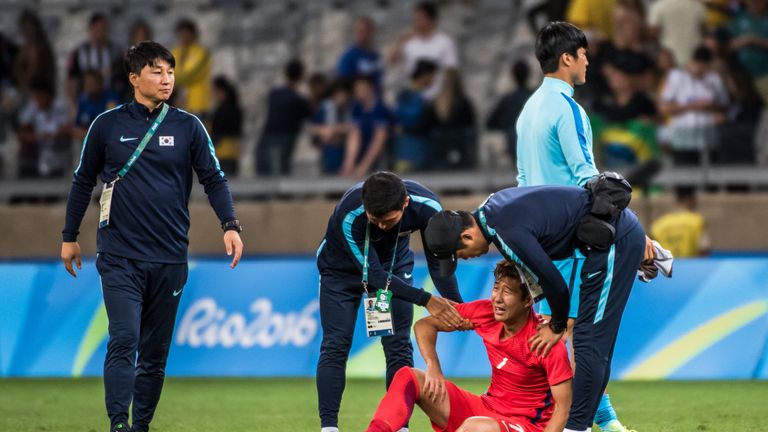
(143, 143)
(365, 257)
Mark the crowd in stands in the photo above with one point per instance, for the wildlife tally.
(683, 81)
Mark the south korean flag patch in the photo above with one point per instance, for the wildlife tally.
(166, 141)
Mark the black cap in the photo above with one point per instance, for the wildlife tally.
(443, 238)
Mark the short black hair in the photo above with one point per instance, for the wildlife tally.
(146, 53)
(423, 67)
(702, 54)
(96, 18)
(467, 220)
(383, 192)
(42, 85)
(685, 193)
(520, 72)
(427, 8)
(294, 70)
(506, 269)
(340, 84)
(554, 40)
(188, 25)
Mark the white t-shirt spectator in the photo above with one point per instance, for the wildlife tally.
(683, 88)
(54, 148)
(680, 24)
(439, 48)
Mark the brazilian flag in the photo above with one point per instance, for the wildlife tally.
(624, 143)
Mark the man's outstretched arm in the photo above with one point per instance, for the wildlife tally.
(426, 330)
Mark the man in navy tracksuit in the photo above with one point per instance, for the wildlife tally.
(533, 226)
(144, 152)
(382, 212)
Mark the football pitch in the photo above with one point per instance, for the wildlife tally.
(290, 405)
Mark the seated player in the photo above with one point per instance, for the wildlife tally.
(528, 393)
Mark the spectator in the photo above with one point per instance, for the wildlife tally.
(750, 41)
(362, 58)
(682, 231)
(8, 93)
(331, 126)
(368, 137)
(412, 142)
(451, 118)
(622, 123)
(286, 111)
(718, 13)
(317, 84)
(594, 17)
(738, 138)
(678, 25)
(8, 52)
(695, 99)
(227, 125)
(44, 146)
(99, 54)
(550, 10)
(140, 32)
(92, 101)
(425, 42)
(504, 115)
(35, 61)
(193, 70)
(629, 36)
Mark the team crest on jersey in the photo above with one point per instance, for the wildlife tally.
(166, 141)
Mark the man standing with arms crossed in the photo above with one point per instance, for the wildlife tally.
(144, 152)
(554, 147)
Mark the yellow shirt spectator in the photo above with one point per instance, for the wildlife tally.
(594, 15)
(681, 232)
(193, 76)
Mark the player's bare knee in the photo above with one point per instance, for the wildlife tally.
(479, 424)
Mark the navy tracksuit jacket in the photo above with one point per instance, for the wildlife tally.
(142, 253)
(340, 262)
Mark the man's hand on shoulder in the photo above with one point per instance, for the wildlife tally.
(71, 251)
(234, 246)
(443, 310)
(545, 338)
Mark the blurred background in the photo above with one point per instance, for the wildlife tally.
(676, 93)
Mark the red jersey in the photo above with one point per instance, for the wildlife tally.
(520, 381)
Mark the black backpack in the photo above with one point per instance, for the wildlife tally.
(611, 194)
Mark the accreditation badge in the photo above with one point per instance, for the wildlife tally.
(377, 323)
(105, 203)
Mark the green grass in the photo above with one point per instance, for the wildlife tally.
(290, 405)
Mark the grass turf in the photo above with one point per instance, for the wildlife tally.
(290, 405)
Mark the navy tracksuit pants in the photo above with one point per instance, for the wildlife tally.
(606, 281)
(340, 296)
(141, 299)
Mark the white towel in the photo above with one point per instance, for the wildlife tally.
(662, 262)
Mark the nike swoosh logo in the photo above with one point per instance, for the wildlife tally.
(176, 293)
(126, 139)
(407, 275)
(591, 275)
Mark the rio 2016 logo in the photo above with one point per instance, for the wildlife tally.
(205, 324)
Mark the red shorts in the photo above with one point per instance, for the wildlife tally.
(465, 405)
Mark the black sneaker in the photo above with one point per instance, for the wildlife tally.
(120, 427)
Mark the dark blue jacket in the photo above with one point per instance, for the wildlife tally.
(149, 218)
(341, 251)
(533, 226)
